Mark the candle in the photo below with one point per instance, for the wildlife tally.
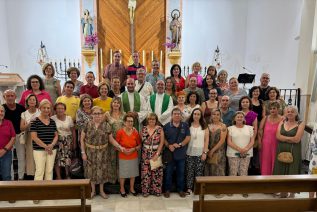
(121, 56)
(143, 56)
(110, 56)
(161, 60)
(101, 60)
(152, 55)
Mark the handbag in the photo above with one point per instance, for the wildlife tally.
(167, 155)
(214, 159)
(156, 164)
(76, 167)
(286, 157)
(22, 137)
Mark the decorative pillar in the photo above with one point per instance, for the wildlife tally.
(174, 19)
(89, 38)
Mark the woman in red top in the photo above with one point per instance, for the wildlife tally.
(128, 137)
(177, 78)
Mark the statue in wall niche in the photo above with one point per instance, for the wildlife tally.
(87, 24)
(176, 28)
(132, 6)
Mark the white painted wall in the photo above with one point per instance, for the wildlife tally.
(4, 47)
(271, 47)
(207, 24)
(257, 34)
(55, 22)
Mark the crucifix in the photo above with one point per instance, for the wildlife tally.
(132, 6)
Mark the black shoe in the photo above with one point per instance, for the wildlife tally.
(123, 194)
(134, 193)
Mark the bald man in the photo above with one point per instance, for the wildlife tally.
(133, 102)
(264, 85)
(161, 104)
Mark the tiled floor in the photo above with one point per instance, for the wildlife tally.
(139, 204)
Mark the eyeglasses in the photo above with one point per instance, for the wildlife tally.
(97, 114)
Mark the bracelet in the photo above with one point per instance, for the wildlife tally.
(205, 153)
(5, 149)
(83, 152)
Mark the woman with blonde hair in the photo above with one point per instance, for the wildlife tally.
(234, 93)
(196, 68)
(45, 137)
(95, 138)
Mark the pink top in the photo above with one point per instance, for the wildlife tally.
(40, 96)
(199, 79)
(6, 132)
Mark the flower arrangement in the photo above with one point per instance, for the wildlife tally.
(169, 44)
(91, 40)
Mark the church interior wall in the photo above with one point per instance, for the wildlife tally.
(56, 23)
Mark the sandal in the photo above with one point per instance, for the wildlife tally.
(92, 194)
(104, 195)
(188, 192)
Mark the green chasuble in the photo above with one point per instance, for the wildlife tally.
(166, 100)
(136, 105)
(126, 103)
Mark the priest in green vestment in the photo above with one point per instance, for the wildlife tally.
(132, 101)
(161, 104)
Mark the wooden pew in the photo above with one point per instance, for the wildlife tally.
(255, 184)
(46, 190)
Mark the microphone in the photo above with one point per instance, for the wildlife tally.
(3, 66)
(248, 70)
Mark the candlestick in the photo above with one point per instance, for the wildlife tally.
(143, 56)
(152, 55)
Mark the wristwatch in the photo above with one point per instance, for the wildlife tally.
(205, 153)
(180, 144)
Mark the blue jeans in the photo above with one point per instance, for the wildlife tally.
(180, 175)
(5, 166)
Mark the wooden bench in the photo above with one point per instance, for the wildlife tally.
(46, 190)
(255, 184)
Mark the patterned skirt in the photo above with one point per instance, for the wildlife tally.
(64, 153)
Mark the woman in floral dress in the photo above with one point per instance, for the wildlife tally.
(152, 144)
(115, 119)
(95, 139)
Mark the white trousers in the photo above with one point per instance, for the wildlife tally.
(44, 164)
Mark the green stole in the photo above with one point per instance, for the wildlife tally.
(166, 100)
(136, 105)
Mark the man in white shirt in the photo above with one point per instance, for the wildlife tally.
(161, 104)
(144, 88)
(133, 102)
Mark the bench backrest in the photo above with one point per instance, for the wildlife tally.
(46, 190)
(255, 184)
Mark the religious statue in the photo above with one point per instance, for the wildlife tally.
(176, 28)
(87, 24)
(132, 6)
